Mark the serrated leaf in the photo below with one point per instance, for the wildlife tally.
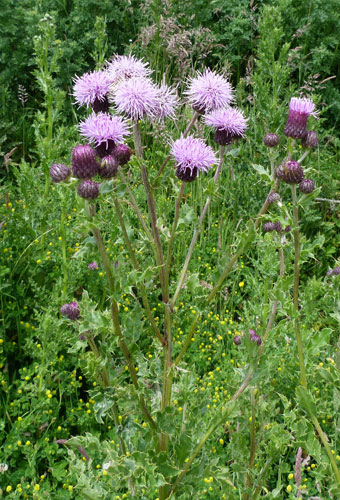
(261, 170)
(306, 401)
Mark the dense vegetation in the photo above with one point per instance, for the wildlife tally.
(59, 434)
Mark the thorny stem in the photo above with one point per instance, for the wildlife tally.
(117, 329)
(296, 286)
(195, 236)
(63, 250)
(252, 443)
(152, 212)
(173, 232)
(136, 266)
(297, 329)
(185, 133)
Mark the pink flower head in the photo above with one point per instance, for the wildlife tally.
(125, 67)
(191, 156)
(299, 111)
(91, 87)
(101, 128)
(137, 98)
(167, 101)
(209, 91)
(229, 124)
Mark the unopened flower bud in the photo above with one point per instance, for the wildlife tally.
(89, 189)
(108, 167)
(271, 140)
(237, 340)
(310, 139)
(290, 172)
(84, 162)
(71, 310)
(59, 172)
(268, 227)
(273, 198)
(336, 271)
(123, 153)
(307, 186)
(278, 227)
(330, 272)
(287, 229)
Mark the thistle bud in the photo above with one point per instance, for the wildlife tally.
(268, 227)
(336, 271)
(254, 337)
(237, 340)
(59, 172)
(307, 186)
(93, 266)
(273, 198)
(271, 140)
(290, 172)
(278, 227)
(84, 162)
(123, 153)
(71, 310)
(310, 139)
(88, 189)
(108, 167)
(187, 174)
(223, 137)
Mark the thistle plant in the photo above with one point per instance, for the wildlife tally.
(134, 99)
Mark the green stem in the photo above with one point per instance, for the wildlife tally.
(135, 206)
(195, 235)
(117, 329)
(134, 261)
(252, 445)
(296, 287)
(172, 235)
(187, 340)
(327, 448)
(152, 211)
(63, 249)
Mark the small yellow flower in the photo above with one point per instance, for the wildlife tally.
(241, 284)
(289, 488)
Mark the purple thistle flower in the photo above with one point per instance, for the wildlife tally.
(88, 190)
(59, 172)
(167, 101)
(299, 111)
(191, 156)
(84, 162)
(137, 98)
(329, 272)
(254, 337)
(123, 153)
(336, 271)
(92, 88)
(229, 123)
(93, 266)
(71, 310)
(104, 131)
(125, 67)
(209, 91)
